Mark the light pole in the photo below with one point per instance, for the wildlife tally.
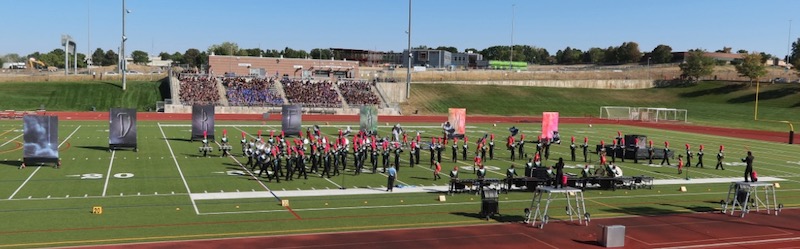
(408, 66)
(789, 46)
(124, 66)
(511, 55)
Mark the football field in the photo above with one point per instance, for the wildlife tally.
(167, 189)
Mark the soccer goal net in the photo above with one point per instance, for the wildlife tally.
(652, 114)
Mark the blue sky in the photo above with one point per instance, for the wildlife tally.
(173, 25)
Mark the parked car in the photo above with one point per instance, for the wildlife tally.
(111, 73)
(134, 72)
(780, 80)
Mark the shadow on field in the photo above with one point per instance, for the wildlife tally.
(498, 217)
(180, 139)
(726, 89)
(114, 84)
(11, 163)
(771, 94)
(639, 211)
(694, 208)
(103, 148)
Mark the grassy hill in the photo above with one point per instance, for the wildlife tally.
(707, 103)
(81, 96)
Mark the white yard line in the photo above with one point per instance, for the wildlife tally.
(108, 175)
(175, 159)
(12, 140)
(37, 168)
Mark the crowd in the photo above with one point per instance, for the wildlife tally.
(198, 90)
(251, 92)
(311, 93)
(357, 92)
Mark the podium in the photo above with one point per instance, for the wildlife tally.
(540, 213)
(740, 194)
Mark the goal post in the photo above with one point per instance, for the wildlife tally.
(616, 112)
(651, 114)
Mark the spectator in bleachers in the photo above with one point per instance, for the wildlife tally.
(198, 89)
(311, 93)
(253, 92)
(358, 92)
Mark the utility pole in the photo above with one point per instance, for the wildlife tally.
(408, 67)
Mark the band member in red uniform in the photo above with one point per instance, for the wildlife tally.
(464, 150)
(455, 149)
(585, 147)
(572, 147)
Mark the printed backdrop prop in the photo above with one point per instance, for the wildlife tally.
(122, 128)
(458, 119)
(292, 119)
(40, 135)
(202, 121)
(369, 118)
(549, 124)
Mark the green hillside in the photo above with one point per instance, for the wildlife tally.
(707, 102)
(81, 96)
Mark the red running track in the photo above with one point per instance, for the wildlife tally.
(696, 230)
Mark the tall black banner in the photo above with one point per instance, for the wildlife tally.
(122, 128)
(292, 119)
(202, 121)
(40, 134)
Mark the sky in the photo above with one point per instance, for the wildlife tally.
(156, 26)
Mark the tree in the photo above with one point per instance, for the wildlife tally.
(661, 54)
(742, 51)
(610, 56)
(765, 57)
(751, 67)
(568, 56)
(272, 53)
(321, 53)
(226, 48)
(177, 57)
(110, 58)
(697, 65)
(192, 57)
(164, 56)
(255, 52)
(629, 52)
(448, 49)
(12, 58)
(140, 57)
(726, 50)
(470, 49)
(291, 53)
(98, 57)
(794, 57)
(593, 56)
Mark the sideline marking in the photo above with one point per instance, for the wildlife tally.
(196, 211)
(108, 175)
(37, 168)
(761, 241)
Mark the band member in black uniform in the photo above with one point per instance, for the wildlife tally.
(572, 147)
(463, 149)
(385, 153)
(560, 173)
(453, 179)
(326, 162)
(455, 150)
(748, 169)
(521, 146)
(276, 167)
(547, 149)
(613, 151)
(397, 151)
(700, 157)
(651, 152)
(374, 157)
(689, 156)
(720, 157)
(666, 154)
(439, 149)
(585, 147)
(491, 147)
(510, 174)
(300, 165)
(417, 149)
(635, 150)
(289, 166)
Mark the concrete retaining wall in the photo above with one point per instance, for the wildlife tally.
(595, 84)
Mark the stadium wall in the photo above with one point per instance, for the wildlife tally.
(241, 65)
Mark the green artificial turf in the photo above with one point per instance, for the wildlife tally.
(145, 197)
